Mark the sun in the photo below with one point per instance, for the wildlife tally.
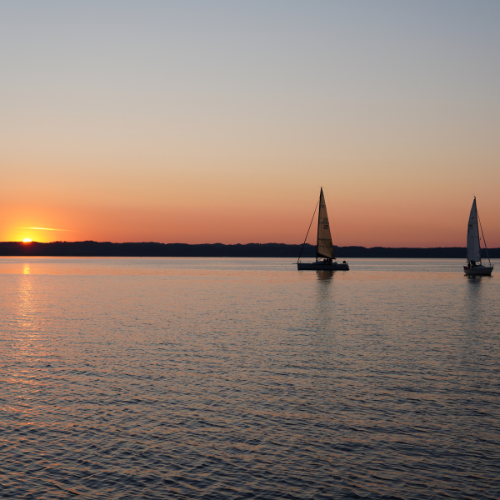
(26, 240)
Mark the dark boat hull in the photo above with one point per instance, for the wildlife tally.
(320, 266)
(478, 271)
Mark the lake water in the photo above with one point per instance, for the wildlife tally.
(244, 378)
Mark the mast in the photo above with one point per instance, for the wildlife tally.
(319, 219)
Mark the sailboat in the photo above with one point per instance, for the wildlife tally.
(324, 249)
(474, 265)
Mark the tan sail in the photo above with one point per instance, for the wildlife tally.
(473, 248)
(325, 247)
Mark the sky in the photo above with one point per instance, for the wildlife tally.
(219, 121)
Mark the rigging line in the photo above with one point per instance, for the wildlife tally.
(307, 234)
(484, 241)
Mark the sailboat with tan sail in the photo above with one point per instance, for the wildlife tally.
(475, 265)
(324, 248)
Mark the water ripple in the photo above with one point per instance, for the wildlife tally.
(234, 379)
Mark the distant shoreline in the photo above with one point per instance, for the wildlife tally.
(107, 249)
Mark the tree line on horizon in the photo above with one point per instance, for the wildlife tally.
(108, 249)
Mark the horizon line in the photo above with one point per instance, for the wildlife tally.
(217, 243)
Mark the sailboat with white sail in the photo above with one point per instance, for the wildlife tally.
(324, 248)
(475, 265)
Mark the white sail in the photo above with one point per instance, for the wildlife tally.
(473, 248)
(324, 248)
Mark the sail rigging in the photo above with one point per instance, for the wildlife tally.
(324, 248)
(474, 265)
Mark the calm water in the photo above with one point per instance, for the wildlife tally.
(243, 378)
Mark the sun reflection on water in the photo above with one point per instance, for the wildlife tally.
(26, 310)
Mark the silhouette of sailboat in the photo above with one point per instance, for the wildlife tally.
(474, 265)
(324, 249)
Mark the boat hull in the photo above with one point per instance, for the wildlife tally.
(319, 266)
(478, 271)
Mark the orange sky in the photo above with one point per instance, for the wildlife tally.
(219, 124)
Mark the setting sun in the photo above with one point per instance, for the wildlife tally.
(26, 240)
